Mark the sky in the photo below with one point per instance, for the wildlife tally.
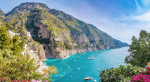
(121, 19)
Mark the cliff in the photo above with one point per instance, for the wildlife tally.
(59, 34)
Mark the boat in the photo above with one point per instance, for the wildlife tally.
(91, 58)
(88, 78)
(94, 80)
(98, 69)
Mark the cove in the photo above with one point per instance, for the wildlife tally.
(76, 67)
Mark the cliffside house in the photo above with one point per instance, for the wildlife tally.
(11, 33)
(23, 53)
(18, 34)
(27, 33)
(25, 48)
(57, 39)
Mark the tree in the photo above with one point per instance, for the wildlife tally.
(17, 67)
(4, 39)
(139, 56)
(10, 26)
(16, 48)
(140, 50)
(22, 44)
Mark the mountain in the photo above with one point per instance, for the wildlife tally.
(58, 33)
(1, 14)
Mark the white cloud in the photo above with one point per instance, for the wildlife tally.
(123, 28)
(145, 17)
(120, 31)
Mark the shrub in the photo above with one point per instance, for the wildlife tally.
(119, 74)
(67, 46)
(144, 76)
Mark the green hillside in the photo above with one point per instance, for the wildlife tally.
(57, 31)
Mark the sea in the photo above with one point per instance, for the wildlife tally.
(76, 67)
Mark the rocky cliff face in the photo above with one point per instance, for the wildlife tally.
(58, 33)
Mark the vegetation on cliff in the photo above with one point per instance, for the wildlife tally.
(14, 65)
(92, 33)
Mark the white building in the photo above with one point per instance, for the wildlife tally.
(23, 53)
(25, 47)
(56, 39)
(11, 34)
(18, 34)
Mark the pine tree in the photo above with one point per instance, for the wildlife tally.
(140, 50)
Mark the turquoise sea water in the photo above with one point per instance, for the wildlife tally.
(76, 67)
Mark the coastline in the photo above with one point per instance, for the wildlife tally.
(67, 53)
